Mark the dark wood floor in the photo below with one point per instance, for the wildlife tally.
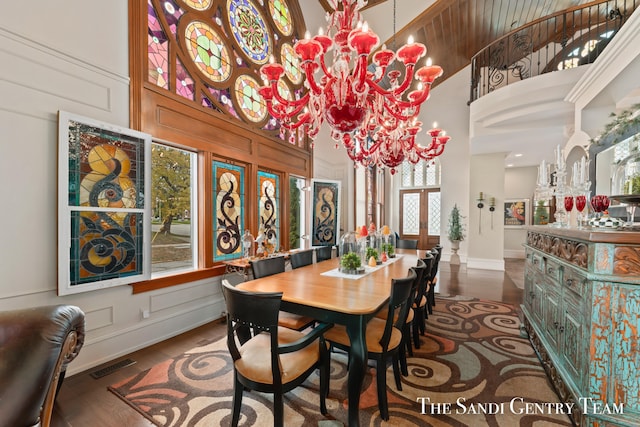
(84, 401)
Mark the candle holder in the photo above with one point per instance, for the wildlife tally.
(492, 208)
(560, 192)
(480, 205)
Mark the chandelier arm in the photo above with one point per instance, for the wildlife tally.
(302, 120)
(308, 71)
(399, 115)
(408, 77)
(299, 103)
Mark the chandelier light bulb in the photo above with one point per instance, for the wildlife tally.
(410, 39)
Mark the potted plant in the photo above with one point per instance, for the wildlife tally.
(455, 233)
(372, 253)
(350, 263)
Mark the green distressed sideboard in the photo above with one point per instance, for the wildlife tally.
(581, 310)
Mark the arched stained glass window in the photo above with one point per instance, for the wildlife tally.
(210, 52)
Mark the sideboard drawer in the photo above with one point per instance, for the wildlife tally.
(552, 270)
(575, 282)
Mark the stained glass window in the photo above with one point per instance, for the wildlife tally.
(250, 30)
(184, 82)
(228, 210)
(291, 63)
(281, 16)
(218, 41)
(250, 101)
(208, 51)
(103, 213)
(269, 208)
(158, 52)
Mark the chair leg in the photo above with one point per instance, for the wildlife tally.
(407, 341)
(278, 410)
(396, 371)
(415, 325)
(381, 383)
(237, 401)
(403, 359)
(325, 360)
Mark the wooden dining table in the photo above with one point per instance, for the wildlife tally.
(316, 291)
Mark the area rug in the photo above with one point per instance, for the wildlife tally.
(514, 268)
(472, 369)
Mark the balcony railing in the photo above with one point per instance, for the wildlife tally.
(563, 40)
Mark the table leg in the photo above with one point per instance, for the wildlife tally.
(356, 330)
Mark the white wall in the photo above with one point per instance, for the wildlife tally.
(518, 184)
(47, 68)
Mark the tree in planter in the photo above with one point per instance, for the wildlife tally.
(455, 233)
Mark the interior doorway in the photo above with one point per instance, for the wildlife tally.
(420, 216)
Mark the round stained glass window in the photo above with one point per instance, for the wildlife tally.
(208, 52)
(251, 103)
(199, 4)
(291, 63)
(281, 16)
(250, 30)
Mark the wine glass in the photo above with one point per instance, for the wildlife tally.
(596, 204)
(568, 206)
(605, 203)
(581, 203)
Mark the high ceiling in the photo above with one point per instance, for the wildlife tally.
(452, 30)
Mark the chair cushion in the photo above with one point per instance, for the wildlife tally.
(255, 363)
(382, 314)
(375, 329)
(423, 302)
(293, 321)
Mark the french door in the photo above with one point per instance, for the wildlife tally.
(420, 216)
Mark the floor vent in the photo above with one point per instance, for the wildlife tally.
(112, 368)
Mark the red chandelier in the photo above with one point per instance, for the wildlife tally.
(377, 126)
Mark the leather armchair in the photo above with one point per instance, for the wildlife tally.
(36, 345)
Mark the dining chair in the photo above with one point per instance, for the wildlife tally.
(264, 267)
(270, 358)
(383, 337)
(301, 258)
(323, 253)
(406, 244)
(418, 327)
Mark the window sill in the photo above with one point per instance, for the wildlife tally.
(177, 279)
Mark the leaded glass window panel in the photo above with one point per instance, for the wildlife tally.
(418, 174)
(433, 173)
(281, 16)
(268, 211)
(411, 213)
(228, 210)
(434, 213)
(184, 82)
(407, 174)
